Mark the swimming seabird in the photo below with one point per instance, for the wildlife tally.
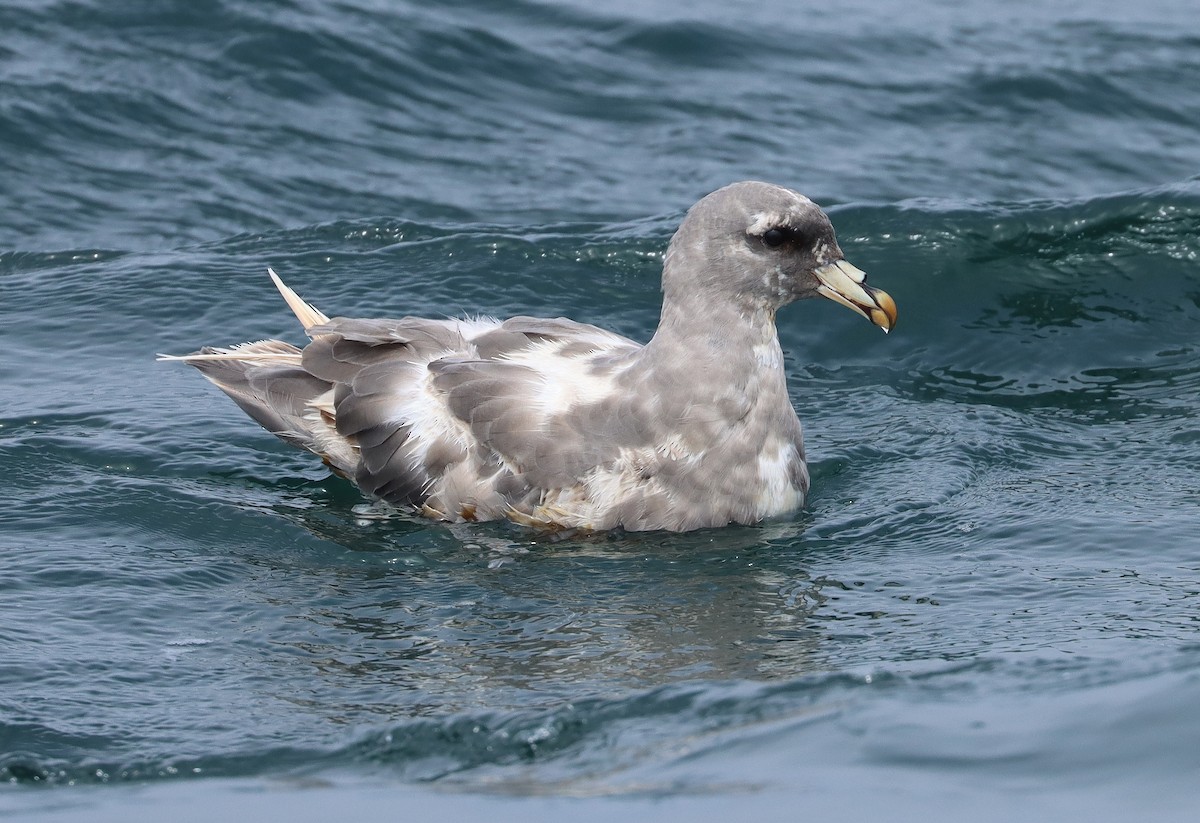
(563, 425)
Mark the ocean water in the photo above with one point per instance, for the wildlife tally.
(990, 607)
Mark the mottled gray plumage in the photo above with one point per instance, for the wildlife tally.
(558, 424)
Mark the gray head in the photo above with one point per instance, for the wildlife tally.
(763, 246)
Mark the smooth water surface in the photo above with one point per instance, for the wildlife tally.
(990, 607)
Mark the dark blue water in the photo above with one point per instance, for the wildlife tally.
(990, 607)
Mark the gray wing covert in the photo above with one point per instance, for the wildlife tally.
(373, 366)
(489, 379)
(498, 399)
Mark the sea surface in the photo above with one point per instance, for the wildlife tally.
(989, 608)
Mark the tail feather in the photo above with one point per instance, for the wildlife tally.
(267, 380)
(274, 390)
(308, 314)
(261, 352)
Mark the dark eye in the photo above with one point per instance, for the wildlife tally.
(774, 237)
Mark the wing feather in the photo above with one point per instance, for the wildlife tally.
(547, 402)
(467, 417)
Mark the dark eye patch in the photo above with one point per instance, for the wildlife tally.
(778, 235)
(774, 237)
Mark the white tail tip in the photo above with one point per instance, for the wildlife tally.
(306, 313)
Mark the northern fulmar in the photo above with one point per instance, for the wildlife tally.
(562, 425)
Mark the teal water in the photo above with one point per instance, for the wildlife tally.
(989, 608)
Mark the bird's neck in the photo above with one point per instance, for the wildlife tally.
(702, 347)
(714, 330)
